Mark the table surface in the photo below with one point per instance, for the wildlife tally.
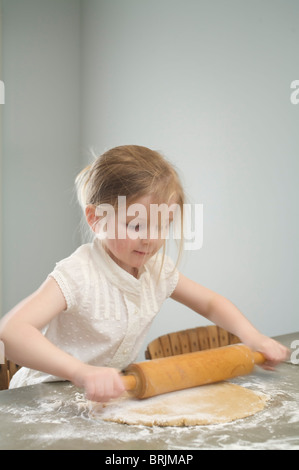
(50, 416)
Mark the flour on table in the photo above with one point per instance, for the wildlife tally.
(209, 404)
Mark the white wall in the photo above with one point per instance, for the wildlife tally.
(41, 134)
(205, 82)
(1, 141)
(208, 83)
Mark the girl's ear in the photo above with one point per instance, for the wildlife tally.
(91, 217)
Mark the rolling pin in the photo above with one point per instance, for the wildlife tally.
(168, 374)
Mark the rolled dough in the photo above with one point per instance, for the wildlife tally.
(209, 404)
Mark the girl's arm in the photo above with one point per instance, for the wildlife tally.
(222, 312)
(26, 345)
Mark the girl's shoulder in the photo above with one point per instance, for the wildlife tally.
(70, 270)
(75, 274)
(81, 255)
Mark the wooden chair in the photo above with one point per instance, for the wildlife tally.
(185, 341)
(7, 370)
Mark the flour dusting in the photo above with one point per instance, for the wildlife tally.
(58, 416)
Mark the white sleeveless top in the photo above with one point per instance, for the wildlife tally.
(108, 312)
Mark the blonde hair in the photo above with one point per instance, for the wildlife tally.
(132, 171)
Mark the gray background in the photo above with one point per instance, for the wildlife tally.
(205, 82)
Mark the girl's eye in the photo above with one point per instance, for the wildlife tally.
(134, 227)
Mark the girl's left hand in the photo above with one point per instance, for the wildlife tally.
(273, 351)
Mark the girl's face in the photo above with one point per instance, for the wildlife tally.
(138, 234)
(142, 240)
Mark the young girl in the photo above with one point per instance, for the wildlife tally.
(89, 318)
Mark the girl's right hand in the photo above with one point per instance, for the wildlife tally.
(100, 383)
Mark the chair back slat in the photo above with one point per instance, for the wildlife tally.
(7, 370)
(190, 340)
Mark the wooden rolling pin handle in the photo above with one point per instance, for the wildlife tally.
(130, 382)
(258, 358)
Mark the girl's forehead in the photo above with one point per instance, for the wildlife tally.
(144, 200)
(149, 200)
(148, 208)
